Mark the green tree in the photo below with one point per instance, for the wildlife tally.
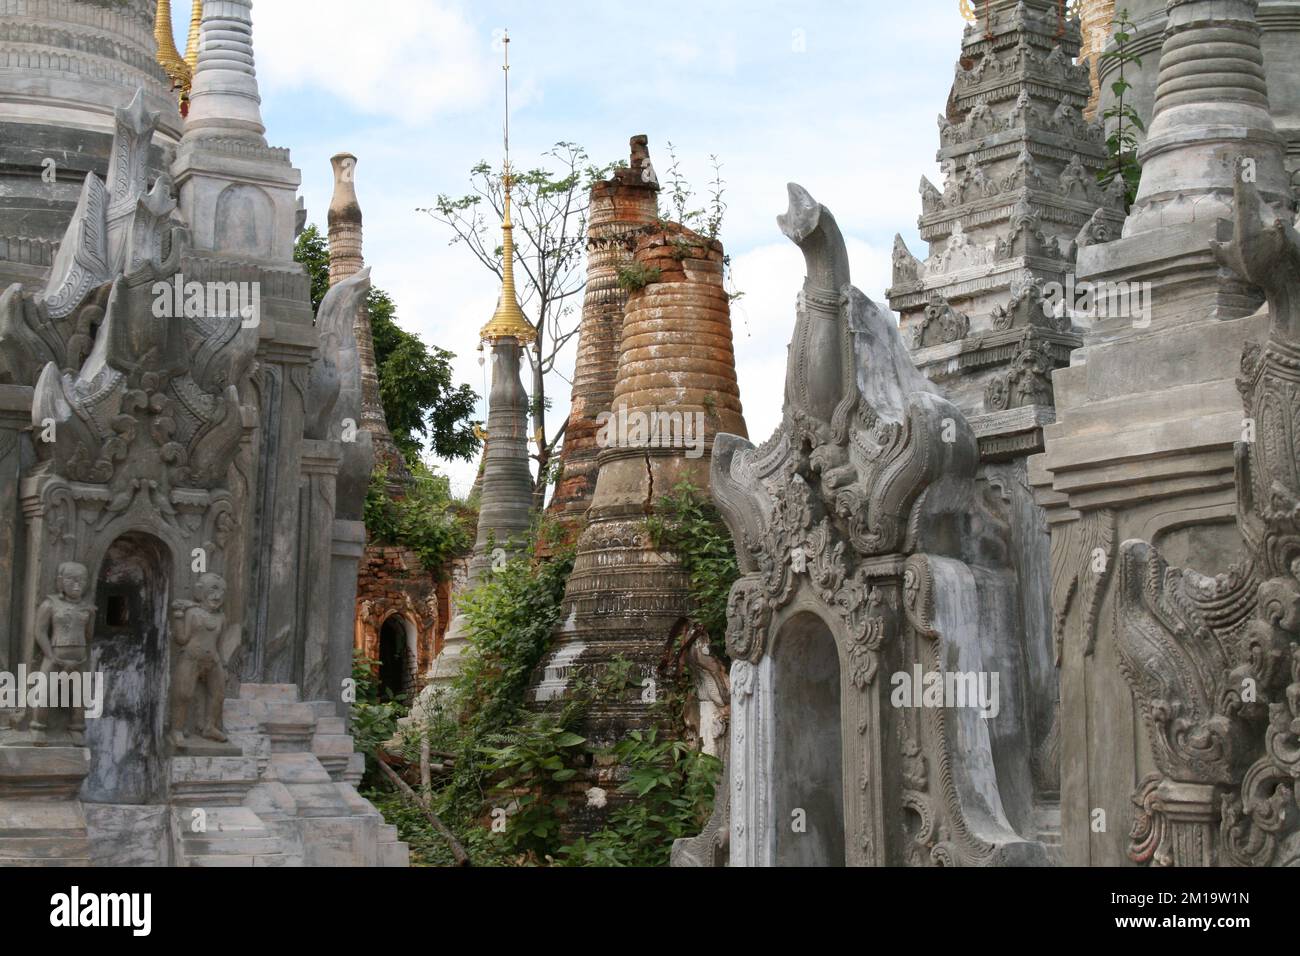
(422, 403)
(550, 208)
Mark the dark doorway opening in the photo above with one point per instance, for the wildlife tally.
(129, 649)
(394, 658)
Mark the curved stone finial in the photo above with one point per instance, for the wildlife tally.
(336, 376)
(810, 226)
(819, 374)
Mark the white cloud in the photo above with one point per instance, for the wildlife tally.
(404, 59)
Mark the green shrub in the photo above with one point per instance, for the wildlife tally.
(427, 519)
(672, 785)
(689, 526)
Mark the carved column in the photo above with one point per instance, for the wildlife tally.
(320, 467)
(277, 622)
(15, 419)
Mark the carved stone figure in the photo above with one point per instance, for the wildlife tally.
(62, 631)
(203, 642)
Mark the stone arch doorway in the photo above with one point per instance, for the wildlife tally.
(129, 648)
(398, 641)
(807, 745)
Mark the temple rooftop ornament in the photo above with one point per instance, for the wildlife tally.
(508, 321)
(505, 483)
(180, 70)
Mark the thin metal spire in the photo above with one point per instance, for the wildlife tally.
(509, 320)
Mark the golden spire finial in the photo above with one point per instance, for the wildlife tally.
(169, 58)
(192, 44)
(508, 321)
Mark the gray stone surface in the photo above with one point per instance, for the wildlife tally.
(1148, 415)
(867, 553)
(200, 471)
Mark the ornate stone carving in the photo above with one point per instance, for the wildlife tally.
(830, 516)
(62, 632)
(941, 323)
(1215, 662)
(1027, 381)
(204, 641)
(1028, 309)
(155, 405)
(1083, 554)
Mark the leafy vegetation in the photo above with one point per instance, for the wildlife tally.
(634, 276)
(1121, 141)
(670, 785)
(425, 519)
(688, 525)
(509, 786)
(422, 403)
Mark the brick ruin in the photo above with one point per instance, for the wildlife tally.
(621, 207)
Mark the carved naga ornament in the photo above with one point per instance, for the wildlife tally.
(840, 477)
(841, 514)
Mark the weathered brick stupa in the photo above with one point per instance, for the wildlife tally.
(621, 208)
(676, 388)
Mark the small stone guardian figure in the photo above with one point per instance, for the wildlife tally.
(63, 630)
(200, 634)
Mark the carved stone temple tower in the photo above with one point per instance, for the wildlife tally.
(1020, 198)
(675, 390)
(1153, 443)
(346, 258)
(1279, 41)
(179, 509)
(398, 617)
(621, 207)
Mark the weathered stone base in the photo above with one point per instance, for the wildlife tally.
(282, 795)
(42, 823)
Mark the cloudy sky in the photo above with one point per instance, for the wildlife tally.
(838, 96)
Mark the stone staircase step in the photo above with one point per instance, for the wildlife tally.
(287, 693)
(331, 726)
